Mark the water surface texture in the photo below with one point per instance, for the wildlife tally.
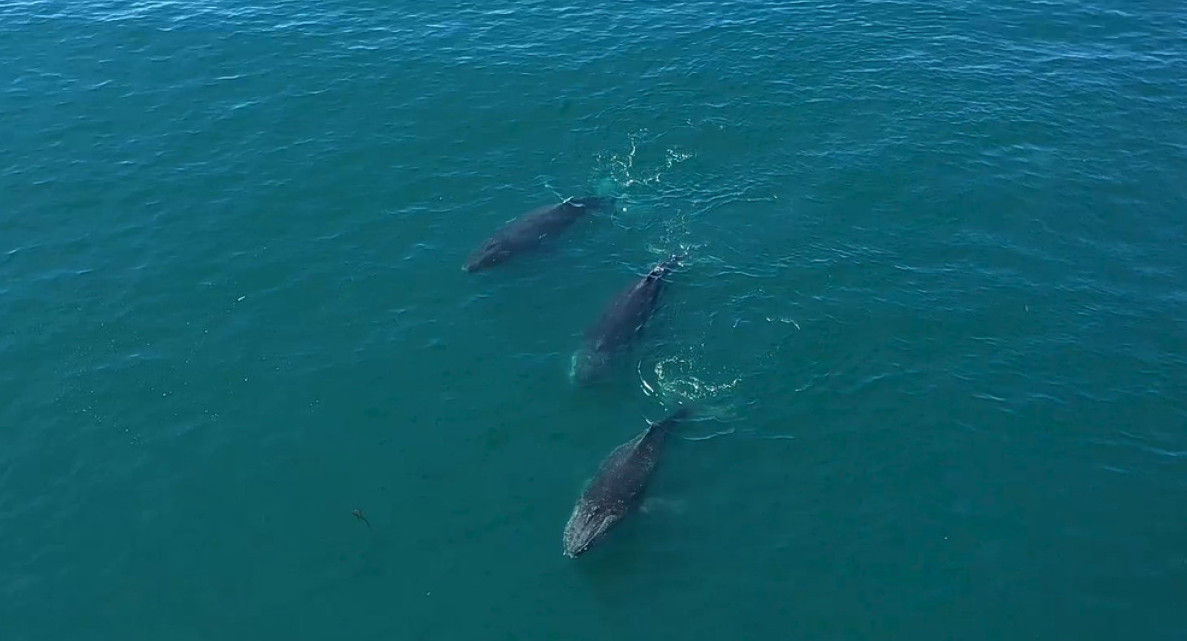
(932, 312)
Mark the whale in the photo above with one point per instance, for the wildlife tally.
(620, 324)
(530, 230)
(617, 488)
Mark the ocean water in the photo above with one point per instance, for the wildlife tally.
(932, 315)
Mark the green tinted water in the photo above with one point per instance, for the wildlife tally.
(933, 311)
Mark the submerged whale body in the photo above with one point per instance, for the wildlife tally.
(529, 230)
(620, 324)
(617, 488)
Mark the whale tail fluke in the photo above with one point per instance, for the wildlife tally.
(669, 422)
(594, 203)
(662, 269)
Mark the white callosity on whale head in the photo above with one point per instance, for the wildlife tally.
(588, 522)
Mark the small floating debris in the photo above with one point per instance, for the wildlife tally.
(358, 514)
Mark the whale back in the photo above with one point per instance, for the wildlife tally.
(618, 486)
(629, 311)
(530, 229)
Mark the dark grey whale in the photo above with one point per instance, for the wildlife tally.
(620, 323)
(529, 230)
(618, 486)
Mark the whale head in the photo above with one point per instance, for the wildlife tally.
(587, 366)
(587, 524)
(492, 252)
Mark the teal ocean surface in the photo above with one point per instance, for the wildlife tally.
(933, 317)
